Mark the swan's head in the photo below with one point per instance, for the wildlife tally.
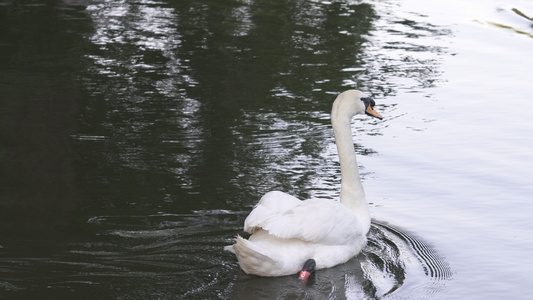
(369, 107)
(354, 102)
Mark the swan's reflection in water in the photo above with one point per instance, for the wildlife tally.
(394, 264)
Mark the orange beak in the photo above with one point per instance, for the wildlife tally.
(371, 112)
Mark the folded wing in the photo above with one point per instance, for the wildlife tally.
(318, 221)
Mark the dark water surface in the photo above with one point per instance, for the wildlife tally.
(135, 137)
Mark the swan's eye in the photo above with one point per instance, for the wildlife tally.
(369, 102)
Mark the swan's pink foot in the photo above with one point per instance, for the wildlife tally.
(308, 268)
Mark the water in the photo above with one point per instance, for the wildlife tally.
(137, 135)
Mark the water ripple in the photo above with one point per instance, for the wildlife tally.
(181, 255)
(395, 264)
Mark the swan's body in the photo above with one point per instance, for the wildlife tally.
(287, 232)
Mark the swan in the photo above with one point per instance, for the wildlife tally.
(289, 235)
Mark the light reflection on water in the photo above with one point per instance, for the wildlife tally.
(190, 111)
(191, 114)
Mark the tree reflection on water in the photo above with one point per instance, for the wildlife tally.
(118, 116)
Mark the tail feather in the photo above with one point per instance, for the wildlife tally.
(229, 249)
(251, 259)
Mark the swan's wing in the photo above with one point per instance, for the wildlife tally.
(317, 221)
(271, 204)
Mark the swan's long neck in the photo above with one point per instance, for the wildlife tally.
(352, 192)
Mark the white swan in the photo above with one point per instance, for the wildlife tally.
(288, 233)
